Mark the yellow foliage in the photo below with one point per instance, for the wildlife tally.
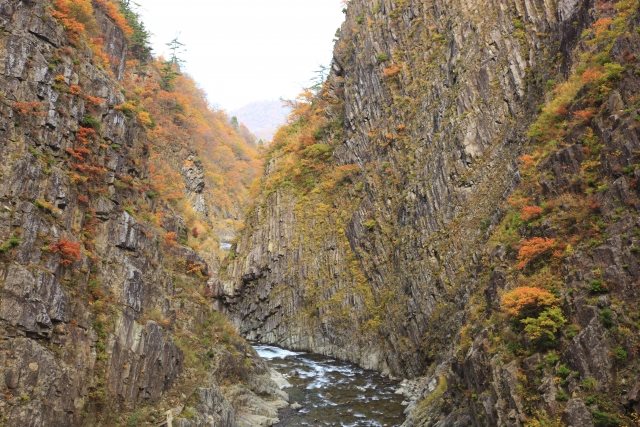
(525, 299)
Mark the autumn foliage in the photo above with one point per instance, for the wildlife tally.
(28, 108)
(391, 71)
(526, 300)
(592, 74)
(76, 16)
(532, 248)
(170, 239)
(530, 212)
(113, 11)
(69, 251)
(78, 19)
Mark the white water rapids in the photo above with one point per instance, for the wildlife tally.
(328, 392)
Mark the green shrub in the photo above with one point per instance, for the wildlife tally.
(613, 71)
(382, 57)
(589, 383)
(370, 224)
(319, 151)
(9, 244)
(551, 358)
(543, 329)
(562, 396)
(606, 317)
(563, 371)
(604, 419)
(572, 330)
(597, 287)
(620, 353)
(90, 122)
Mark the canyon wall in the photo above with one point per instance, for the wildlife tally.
(105, 311)
(459, 204)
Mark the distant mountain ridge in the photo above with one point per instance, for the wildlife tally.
(263, 118)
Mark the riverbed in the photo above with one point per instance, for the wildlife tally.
(328, 392)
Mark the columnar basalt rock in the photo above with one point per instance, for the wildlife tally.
(102, 317)
(395, 266)
(435, 98)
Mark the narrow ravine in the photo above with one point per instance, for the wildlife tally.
(328, 392)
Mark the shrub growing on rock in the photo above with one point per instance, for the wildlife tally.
(69, 251)
(527, 301)
(532, 248)
(543, 330)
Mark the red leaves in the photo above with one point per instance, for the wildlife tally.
(69, 251)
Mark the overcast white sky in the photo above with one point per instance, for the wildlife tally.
(240, 51)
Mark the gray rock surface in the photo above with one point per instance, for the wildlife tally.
(96, 310)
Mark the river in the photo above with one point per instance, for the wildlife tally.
(328, 392)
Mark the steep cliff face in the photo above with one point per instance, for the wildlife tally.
(105, 316)
(434, 98)
(382, 234)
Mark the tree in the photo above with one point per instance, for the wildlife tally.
(171, 67)
(176, 48)
(319, 77)
(139, 45)
(235, 123)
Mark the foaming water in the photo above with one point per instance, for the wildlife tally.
(334, 393)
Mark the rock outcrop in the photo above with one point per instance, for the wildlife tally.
(104, 315)
(452, 141)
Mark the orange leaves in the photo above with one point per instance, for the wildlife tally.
(592, 74)
(99, 54)
(69, 251)
(78, 154)
(194, 268)
(94, 100)
(562, 110)
(584, 115)
(113, 12)
(75, 90)
(171, 239)
(518, 200)
(27, 108)
(89, 170)
(530, 212)
(532, 248)
(601, 25)
(525, 300)
(78, 19)
(76, 16)
(391, 71)
(85, 134)
(527, 160)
